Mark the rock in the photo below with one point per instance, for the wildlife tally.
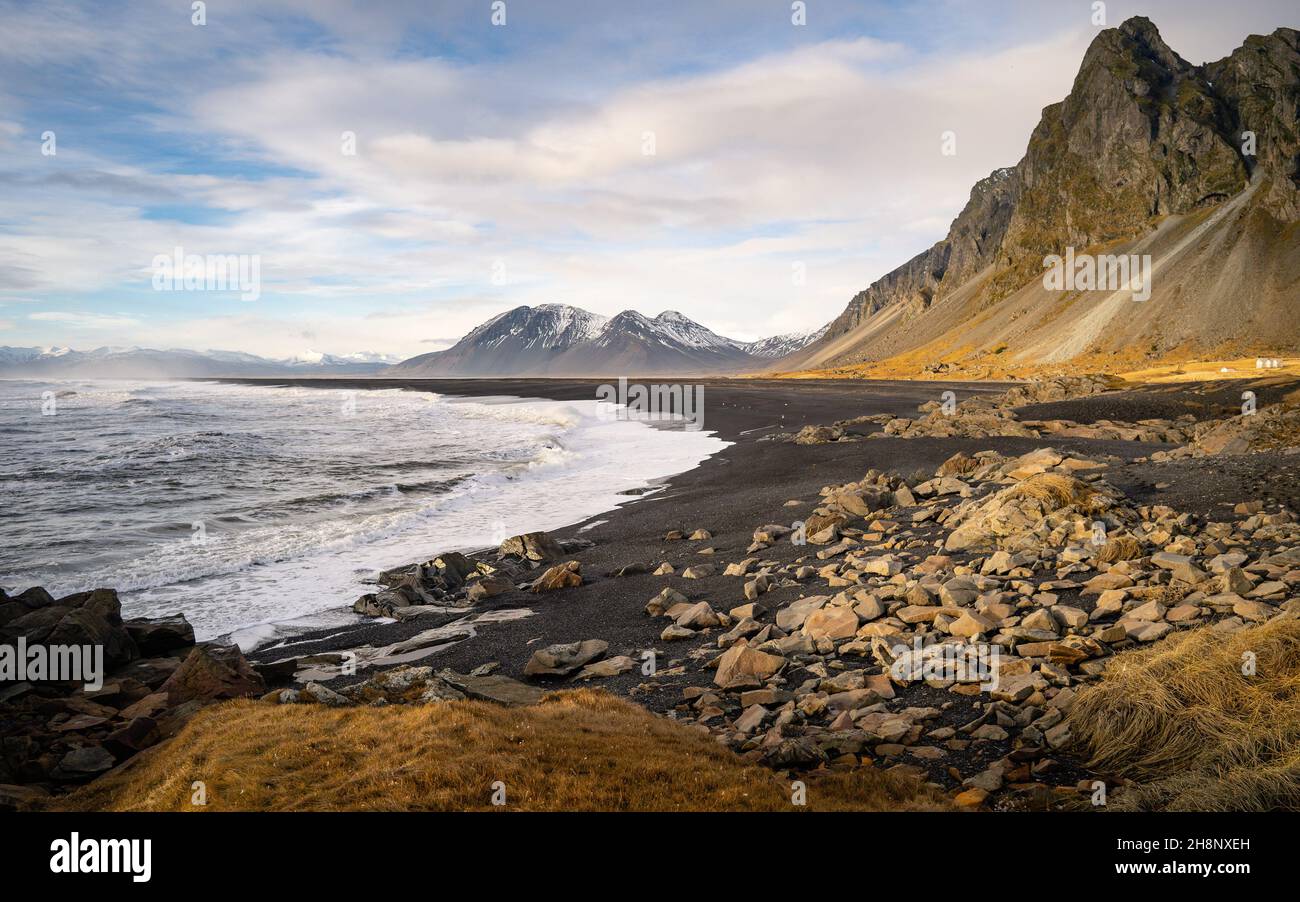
(1254, 611)
(751, 719)
(531, 546)
(160, 635)
(83, 763)
(208, 674)
(1234, 580)
(659, 605)
(885, 565)
(970, 798)
(698, 616)
(741, 665)
(493, 687)
(793, 616)
(831, 623)
(1010, 518)
(452, 569)
(958, 592)
(607, 668)
(1152, 610)
(487, 587)
(1145, 630)
(561, 576)
(675, 633)
(970, 624)
(20, 798)
(563, 659)
(699, 571)
(701, 535)
(87, 618)
(323, 695)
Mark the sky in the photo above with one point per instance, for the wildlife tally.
(401, 171)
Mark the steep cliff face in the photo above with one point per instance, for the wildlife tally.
(972, 243)
(1141, 135)
(1260, 82)
(1144, 138)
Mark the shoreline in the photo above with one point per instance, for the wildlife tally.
(882, 492)
(739, 423)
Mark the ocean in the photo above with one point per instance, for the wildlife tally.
(260, 511)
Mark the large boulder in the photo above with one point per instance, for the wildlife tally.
(537, 547)
(742, 666)
(564, 659)
(87, 618)
(210, 673)
(1013, 518)
(159, 635)
(561, 576)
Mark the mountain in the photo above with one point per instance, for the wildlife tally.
(558, 340)
(779, 346)
(1148, 155)
(147, 363)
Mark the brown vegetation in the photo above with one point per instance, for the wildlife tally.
(583, 750)
(1192, 730)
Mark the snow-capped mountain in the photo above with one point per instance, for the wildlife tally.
(558, 340)
(148, 363)
(779, 346)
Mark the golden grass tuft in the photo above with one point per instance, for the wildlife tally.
(1194, 732)
(1055, 491)
(575, 751)
(1119, 548)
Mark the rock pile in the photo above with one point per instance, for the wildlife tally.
(982, 416)
(946, 627)
(454, 580)
(59, 733)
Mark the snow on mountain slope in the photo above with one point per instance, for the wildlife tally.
(558, 340)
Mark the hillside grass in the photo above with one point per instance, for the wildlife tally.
(1192, 731)
(584, 750)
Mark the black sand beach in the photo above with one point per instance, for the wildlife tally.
(749, 484)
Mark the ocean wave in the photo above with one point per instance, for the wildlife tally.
(310, 502)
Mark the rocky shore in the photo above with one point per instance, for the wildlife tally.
(874, 575)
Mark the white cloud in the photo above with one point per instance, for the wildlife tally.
(825, 154)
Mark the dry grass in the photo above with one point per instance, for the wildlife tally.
(1055, 491)
(1196, 734)
(1212, 370)
(576, 751)
(1119, 548)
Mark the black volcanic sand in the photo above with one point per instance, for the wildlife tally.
(741, 488)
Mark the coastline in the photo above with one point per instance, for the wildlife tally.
(711, 519)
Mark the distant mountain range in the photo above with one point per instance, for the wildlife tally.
(558, 340)
(147, 363)
(547, 340)
(1196, 166)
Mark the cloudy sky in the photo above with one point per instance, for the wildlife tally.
(672, 155)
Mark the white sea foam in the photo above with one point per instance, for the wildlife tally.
(300, 506)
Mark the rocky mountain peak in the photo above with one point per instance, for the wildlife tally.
(1143, 136)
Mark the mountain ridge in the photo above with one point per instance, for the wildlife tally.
(154, 363)
(560, 340)
(1136, 158)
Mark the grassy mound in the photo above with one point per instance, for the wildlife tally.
(1197, 734)
(583, 750)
